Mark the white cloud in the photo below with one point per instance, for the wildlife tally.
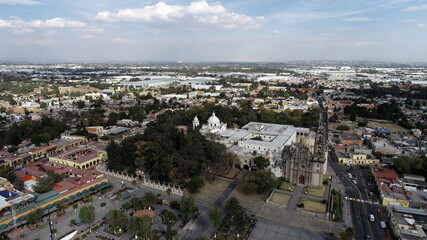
(276, 32)
(199, 13)
(421, 25)
(20, 26)
(357, 19)
(19, 2)
(89, 36)
(416, 8)
(123, 40)
(410, 20)
(43, 42)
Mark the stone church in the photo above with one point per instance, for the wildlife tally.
(306, 161)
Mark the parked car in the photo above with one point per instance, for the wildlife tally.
(371, 217)
(382, 224)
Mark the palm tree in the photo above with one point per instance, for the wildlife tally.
(133, 226)
(215, 216)
(135, 203)
(149, 199)
(140, 226)
(117, 220)
(146, 226)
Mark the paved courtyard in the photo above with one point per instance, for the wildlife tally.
(266, 230)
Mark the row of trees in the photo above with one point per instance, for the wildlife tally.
(38, 132)
(413, 165)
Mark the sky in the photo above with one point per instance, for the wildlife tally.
(205, 30)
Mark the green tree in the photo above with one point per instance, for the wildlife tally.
(7, 172)
(18, 184)
(35, 217)
(87, 214)
(117, 219)
(187, 207)
(261, 162)
(149, 199)
(43, 185)
(140, 226)
(260, 182)
(126, 205)
(56, 177)
(62, 205)
(236, 213)
(195, 184)
(135, 203)
(215, 216)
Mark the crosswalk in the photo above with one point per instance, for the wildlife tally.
(359, 200)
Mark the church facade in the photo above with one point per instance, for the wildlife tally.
(306, 161)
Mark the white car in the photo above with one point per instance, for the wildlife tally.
(371, 217)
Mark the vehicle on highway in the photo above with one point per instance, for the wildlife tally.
(371, 217)
(350, 176)
(368, 237)
(382, 224)
(354, 181)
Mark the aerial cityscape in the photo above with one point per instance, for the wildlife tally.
(180, 119)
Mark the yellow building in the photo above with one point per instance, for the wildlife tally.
(356, 159)
(80, 157)
(393, 200)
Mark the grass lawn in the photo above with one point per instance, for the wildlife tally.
(286, 185)
(313, 205)
(280, 198)
(317, 192)
(390, 126)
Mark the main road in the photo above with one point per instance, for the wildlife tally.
(361, 206)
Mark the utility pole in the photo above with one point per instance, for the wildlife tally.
(50, 228)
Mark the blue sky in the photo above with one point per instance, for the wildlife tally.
(204, 30)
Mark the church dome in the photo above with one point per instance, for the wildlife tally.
(213, 119)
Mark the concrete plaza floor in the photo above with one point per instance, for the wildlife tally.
(267, 230)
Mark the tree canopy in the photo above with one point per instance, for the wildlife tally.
(412, 165)
(87, 214)
(43, 185)
(260, 182)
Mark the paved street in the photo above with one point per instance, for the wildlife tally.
(267, 230)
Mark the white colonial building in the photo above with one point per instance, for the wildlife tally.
(293, 152)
